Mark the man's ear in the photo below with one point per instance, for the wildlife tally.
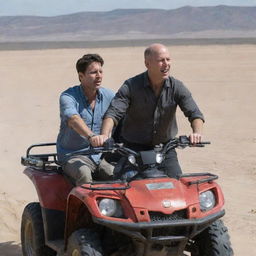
(80, 76)
(146, 62)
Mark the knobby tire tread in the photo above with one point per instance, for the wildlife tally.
(215, 241)
(32, 212)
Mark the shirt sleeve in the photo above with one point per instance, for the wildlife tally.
(119, 104)
(68, 106)
(187, 103)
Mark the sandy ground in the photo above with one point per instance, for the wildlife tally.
(222, 80)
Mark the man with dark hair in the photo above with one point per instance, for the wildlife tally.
(86, 60)
(82, 108)
(147, 105)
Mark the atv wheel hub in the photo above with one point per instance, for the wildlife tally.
(29, 239)
(75, 253)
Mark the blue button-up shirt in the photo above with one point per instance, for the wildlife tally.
(74, 102)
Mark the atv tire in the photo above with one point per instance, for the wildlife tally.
(84, 242)
(32, 232)
(213, 241)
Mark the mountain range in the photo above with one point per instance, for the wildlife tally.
(186, 22)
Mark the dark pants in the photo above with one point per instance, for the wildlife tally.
(170, 165)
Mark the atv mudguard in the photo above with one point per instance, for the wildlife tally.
(51, 186)
(56, 196)
(52, 190)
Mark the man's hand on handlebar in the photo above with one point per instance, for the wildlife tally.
(98, 140)
(195, 138)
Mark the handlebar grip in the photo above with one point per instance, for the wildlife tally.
(201, 144)
(109, 143)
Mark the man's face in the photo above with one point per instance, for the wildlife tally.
(159, 64)
(91, 79)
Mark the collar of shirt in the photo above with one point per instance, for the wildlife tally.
(99, 96)
(167, 82)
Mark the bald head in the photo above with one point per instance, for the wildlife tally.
(158, 63)
(154, 49)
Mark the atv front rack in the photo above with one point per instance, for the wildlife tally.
(90, 185)
(204, 177)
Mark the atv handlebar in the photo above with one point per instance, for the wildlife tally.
(111, 146)
(182, 142)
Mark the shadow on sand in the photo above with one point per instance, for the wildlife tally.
(10, 249)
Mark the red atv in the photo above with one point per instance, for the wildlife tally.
(140, 212)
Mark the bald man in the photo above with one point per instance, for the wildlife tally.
(147, 105)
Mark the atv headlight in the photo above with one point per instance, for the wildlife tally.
(132, 159)
(159, 158)
(110, 207)
(207, 200)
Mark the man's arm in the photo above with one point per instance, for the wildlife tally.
(197, 128)
(191, 111)
(113, 115)
(107, 126)
(77, 124)
(106, 131)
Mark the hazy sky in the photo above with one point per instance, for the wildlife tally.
(58, 7)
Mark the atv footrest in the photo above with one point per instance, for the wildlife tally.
(57, 245)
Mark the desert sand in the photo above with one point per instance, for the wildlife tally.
(222, 79)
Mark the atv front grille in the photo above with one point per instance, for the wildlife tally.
(167, 231)
(160, 217)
